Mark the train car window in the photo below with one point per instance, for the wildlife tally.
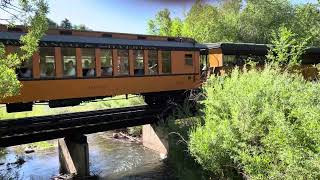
(47, 64)
(88, 59)
(138, 63)
(153, 62)
(166, 61)
(24, 70)
(188, 59)
(69, 62)
(236, 60)
(229, 60)
(123, 62)
(106, 62)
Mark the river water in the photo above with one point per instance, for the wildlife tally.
(109, 159)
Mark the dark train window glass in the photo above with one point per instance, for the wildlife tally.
(123, 62)
(229, 60)
(138, 62)
(240, 60)
(68, 62)
(153, 62)
(188, 59)
(47, 63)
(106, 62)
(88, 60)
(166, 61)
(24, 70)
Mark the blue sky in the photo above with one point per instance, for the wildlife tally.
(113, 15)
(128, 16)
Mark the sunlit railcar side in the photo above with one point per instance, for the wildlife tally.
(74, 66)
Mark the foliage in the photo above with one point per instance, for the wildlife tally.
(179, 125)
(66, 24)
(52, 24)
(260, 124)
(34, 17)
(164, 25)
(81, 27)
(242, 21)
(286, 49)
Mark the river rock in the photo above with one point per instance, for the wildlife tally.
(28, 150)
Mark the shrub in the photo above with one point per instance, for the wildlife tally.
(260, 125)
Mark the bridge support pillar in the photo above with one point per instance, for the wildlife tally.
(74, 155)
(155, 137)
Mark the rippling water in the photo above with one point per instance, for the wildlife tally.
(109, 159)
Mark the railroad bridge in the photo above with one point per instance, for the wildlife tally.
(72, 128)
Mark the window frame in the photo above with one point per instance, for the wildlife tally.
(154, 60)
(110, 66)
(63, 64)
(119, 61)
(93, 62)
(188, 59)
(45, 58)
(164, 60)
(17, 49)
(135, 62)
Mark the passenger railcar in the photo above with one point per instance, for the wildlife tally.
(224, 56)
(74, 66)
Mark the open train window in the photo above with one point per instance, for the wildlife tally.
(47, 63)
(153, 62)
(69, 62)
(138, 63)
(188, 59)
(88, 60)
(166, 61)
(106, 62)
(123, 62)
(24, 70)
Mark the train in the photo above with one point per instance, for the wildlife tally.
(73, 66)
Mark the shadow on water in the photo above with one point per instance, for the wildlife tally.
(109, 159)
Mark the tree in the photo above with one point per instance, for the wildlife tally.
(306, 23)
(176, 27)
(81, 27)
(52, 24)
(33, 15)
(241, 21)
(287, 49)
(162, 23)
(65, 24)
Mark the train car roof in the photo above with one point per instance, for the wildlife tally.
(13, 38)
(229, 48)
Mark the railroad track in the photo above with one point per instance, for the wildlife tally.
(26, 130)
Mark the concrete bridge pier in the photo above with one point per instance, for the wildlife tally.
(74, 155)
(155, 137)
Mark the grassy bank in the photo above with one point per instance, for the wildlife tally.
(106, 103)
(180, 159)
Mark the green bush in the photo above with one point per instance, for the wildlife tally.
(260, 125)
